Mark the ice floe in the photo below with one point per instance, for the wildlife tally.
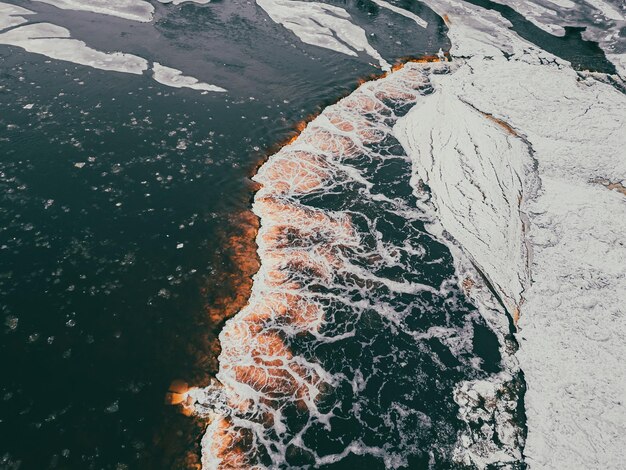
(135, 10)
(401, 11)
(571, 326)
(320, 272)
(322, 25)
(174, 78)
(11, 15)
(55, 42)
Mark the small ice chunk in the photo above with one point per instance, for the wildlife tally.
(175, 78)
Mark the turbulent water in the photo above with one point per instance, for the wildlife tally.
(355, 330)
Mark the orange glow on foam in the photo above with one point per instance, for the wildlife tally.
(296, 244)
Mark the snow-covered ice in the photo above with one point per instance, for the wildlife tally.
(506, 104)
(603, 21)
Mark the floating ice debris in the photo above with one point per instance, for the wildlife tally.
(401, 11)
(11, 15)
(11, 322)
(55, 42)
(174, 78)
(321, 25)
(135, 10)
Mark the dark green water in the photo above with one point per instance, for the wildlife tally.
(103, 179)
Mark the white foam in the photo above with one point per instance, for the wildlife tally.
(11, 15)
(135, 10)
(322, 25)
(174, 78)
(55, 42)
(572, 315)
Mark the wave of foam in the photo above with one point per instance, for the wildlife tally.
(356, 334)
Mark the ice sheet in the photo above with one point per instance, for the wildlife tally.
(572, 306)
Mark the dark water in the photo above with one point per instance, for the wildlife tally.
(120, 198)
(117, 197)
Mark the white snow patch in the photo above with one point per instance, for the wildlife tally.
(475, 171)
